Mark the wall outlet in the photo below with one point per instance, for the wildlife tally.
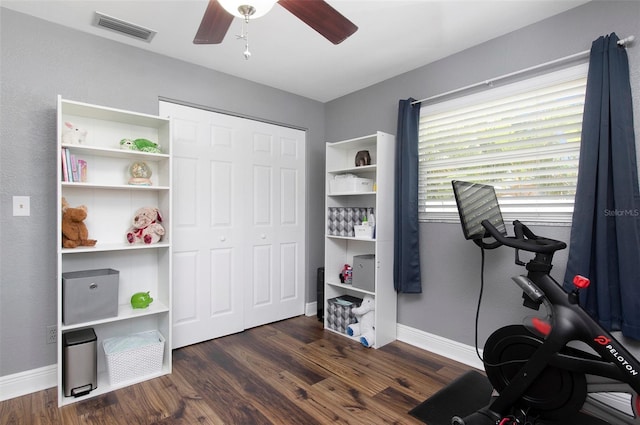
(52, 334)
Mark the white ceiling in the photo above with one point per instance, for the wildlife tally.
(394, 36)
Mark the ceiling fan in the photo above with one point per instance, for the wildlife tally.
(318, 14)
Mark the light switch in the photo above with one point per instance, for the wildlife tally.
(21, 206)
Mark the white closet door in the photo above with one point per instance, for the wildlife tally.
(238, 223)
(276, 221)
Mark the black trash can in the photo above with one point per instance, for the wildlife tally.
(320, 293)
(79, 362)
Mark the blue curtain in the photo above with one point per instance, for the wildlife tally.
(605, 241)
(406, 266)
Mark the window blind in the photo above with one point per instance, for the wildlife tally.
(524, 139)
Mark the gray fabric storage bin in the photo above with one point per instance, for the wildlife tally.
(89, 295)
(339, 312)
(364, 273)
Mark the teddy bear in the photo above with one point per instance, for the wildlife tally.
(146, 226)
(72, 135)
(366, 322)
(74, 231)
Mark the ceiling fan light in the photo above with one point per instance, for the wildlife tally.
(261, 7)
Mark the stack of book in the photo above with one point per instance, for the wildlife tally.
(73, 169)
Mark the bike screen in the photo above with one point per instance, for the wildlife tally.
(477, 202)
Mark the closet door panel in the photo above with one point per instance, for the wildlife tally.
(208, 190)
(241, 183)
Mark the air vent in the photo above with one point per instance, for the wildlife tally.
(123, 27)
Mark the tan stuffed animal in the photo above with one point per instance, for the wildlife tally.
(74, 231)
(146, 226)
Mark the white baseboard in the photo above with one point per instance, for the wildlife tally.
(442, 346)
(27, 382)
(311, 309)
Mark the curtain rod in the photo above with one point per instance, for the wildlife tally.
(623, 42)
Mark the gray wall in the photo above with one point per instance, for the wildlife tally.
(450, 265)
(40, 60)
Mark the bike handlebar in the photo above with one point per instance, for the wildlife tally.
(524, 239)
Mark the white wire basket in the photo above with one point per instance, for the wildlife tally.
(134, 356)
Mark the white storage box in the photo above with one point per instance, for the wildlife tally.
(363, 231)
(134, 356)
(350, 184)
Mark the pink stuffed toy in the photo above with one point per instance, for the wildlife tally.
(146, 227)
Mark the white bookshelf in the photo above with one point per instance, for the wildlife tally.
(340, 249)
(111, 204)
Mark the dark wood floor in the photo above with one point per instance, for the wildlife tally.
(290, 372)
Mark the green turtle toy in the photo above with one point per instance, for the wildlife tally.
(142, 145)
(141, 300)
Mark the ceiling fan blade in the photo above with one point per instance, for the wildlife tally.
(323, 18)
(215, 23)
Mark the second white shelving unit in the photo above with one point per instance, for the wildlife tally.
(340, 250)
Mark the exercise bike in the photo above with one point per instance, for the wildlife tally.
(540, 371)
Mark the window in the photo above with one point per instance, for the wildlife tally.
(522, 138)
